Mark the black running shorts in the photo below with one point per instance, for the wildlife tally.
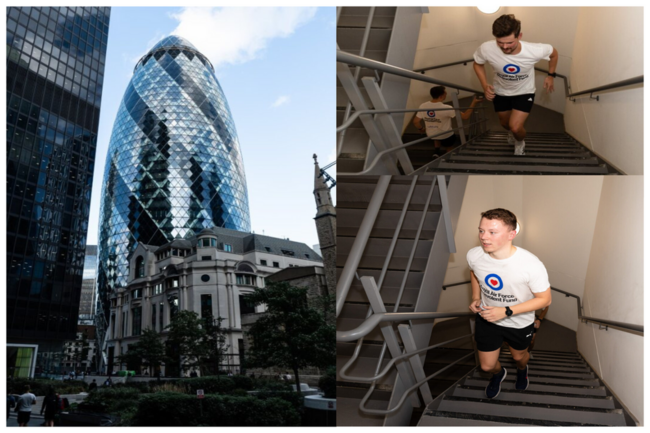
(490, 337)
(448, 142)
(519, 102)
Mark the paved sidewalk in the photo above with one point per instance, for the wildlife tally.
(36, 418)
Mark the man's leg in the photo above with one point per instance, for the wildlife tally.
(521, 357)
(504, 119)
(517, 119)
(490, 361)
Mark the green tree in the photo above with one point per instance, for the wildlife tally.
(291, 334)
(187, 340)
(216, 341)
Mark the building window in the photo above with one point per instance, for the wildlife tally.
(307, 255)
(245, 306)
(206, 306)
(263, 262)
(158, 289)
(137, 321)
(161, 315)
(139, 267)
(288, 253)
(205, 278)
(246, 280)
(153, 317)
(137, 293)
(124, 324)
(173, 305)
(276, 264)
(206, 258)
(227, 248)
(213, 242)
(172, 283)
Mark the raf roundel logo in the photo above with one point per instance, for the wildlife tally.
(431, 113)
(494, 282)
(511, 69)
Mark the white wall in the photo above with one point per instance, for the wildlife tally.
(614, 291)
(558, 227)
(609, 48)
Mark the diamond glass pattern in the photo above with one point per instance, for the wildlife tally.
(174, 166)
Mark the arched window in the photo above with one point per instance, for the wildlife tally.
(139, 267)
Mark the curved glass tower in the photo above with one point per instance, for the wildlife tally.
(174, 166)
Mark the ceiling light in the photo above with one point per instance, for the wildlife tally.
(488, 9)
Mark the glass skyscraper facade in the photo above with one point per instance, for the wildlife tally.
(55, 71)
(174, 166)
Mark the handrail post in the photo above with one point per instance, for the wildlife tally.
(352, 262)
(416, 363)
(446, 216)
(459, 117)
(390, 337)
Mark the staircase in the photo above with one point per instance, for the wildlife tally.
(563, 391)
(555, 154)
(349, 36)
(353, 197)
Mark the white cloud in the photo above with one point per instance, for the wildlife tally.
(237, 35)
(280, 101)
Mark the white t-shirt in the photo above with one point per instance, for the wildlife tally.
(437, 121)
(514, 74)
(25, 402)
(509, 282)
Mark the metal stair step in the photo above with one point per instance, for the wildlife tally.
(555, 373)
(540, 398)
(360, 21)
(474, 419)
(579, 390)
(525, 159)
(347, 165)
(348, 222)
(547, 380)
(358, 196)
(613, 417)
(540, 153)
(390, 287)
(602, 169)
(360, 10)
(434, 421)
(377, 249)
(551, 353)
(350, 38)
(578, 367)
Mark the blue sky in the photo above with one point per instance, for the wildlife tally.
(276, 67)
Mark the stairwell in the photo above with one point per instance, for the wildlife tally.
(354, 194)
(563, 391)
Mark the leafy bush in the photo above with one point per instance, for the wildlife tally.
(327, 382)
(243, 382)
(272, 385)
(172, 409)
(143, 387)
(41, 386)
(111, 400)
(239, 393)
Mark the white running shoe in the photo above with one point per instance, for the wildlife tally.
(519, 147)
(511, 138)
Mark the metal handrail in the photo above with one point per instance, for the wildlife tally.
(371, 323)
(352, 59)
(404, 146)
(356, 114)
(622, 83)
(620, 325)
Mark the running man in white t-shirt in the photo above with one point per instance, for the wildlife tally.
(508, 285)
(513, 88)
(438, 121)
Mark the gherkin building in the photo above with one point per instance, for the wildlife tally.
(173, 167)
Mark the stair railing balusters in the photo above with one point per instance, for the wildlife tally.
(357, 70)
(446, 216)
(416, 363)
(352, 262)
(459, 118)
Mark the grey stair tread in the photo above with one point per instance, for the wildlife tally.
(577, 367)
(377, 249)
(496, 408)
(527, 158)
(435, 421)
(358, 392)
(543, 387)
(360, 195)
(362, 10)
(520, 168)
(348, 413)
(502, 420)
(548, 380)
(350, 38)
(551, 353)
(390, 287)
(524, 396)
(378, 21)
(348, 222)
(369, 350)
(529, 153)
(556, 373)
(349, 165)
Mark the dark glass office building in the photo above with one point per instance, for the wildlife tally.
(174, 166)
(55, 70)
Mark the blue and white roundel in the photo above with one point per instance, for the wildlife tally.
(494, 282)
(431, 113)
(511, 69)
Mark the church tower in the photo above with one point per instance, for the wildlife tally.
(325, 226)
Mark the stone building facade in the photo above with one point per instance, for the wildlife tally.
(325, 226)
(210, 274)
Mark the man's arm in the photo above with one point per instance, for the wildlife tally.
(476, 294)
(418, 123)
(468, 113)
(480, 73)
(541, 300)
(552, 64)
